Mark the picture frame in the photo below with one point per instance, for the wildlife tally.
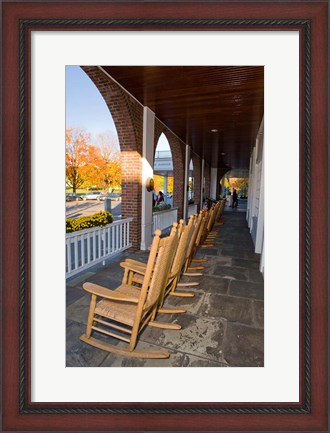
(19, 20)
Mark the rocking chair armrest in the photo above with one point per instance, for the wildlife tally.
(135, 262)
(114, 295)
(134, 268)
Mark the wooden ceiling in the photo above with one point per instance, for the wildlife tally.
(193, 100)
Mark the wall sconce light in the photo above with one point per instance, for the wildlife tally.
(150, 185)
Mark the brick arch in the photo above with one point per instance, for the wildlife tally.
(178, 157)
(127, 115)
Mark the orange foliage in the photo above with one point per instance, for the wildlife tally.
(91, 165)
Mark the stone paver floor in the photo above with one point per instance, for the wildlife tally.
(224, 323)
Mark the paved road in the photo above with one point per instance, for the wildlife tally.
(76, 209)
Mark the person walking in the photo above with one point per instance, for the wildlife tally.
(235, 199)
(160, 197)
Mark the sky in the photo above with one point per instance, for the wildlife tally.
(86, 108)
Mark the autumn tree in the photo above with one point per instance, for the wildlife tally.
(77, 147)
(239, 182)
(170, 184)
(94, 164)
(109, 160)
(158, 183)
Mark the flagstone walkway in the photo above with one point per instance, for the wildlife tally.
(224, 323)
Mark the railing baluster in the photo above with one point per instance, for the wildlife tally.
(76, 253)
(82, 250)
(112, 239)
(109, 243)
(124, 235)
(99, 243)
(94, 246)
(88, 247)
(68, 255)
(120, 236)
(117, 238)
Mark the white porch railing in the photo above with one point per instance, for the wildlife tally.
(88, 247)
(164, 219)
(192, 209)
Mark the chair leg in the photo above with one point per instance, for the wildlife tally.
(155, 324)
(182, 294)
(188, 284)
(91, 316)
(171, 311)
(192, 274)
(125, 351)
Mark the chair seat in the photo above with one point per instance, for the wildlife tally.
(120, 311)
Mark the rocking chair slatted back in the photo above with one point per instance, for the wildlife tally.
(193, 240)
(162, 268)
(202, 227)
(193, 237)
(180, 254)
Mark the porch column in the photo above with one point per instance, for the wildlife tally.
(147, 171)
(214, 180)
(186, 179)
(165, 186)
(251, 189)
(202, 184)
(222, 193)
(260, 227)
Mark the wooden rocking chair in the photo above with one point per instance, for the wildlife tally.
(209, 236)
(128, 309)
(135, 270)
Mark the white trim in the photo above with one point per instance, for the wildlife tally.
(213, 183)
(260, 227)
(147, 171)
(186, 178)
(202, 183)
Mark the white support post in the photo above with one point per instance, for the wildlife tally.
(248, 209)
(147, 171)
(186, 179)
(260, 227)
(165, 186)
(202, 183)
(252, 187)
(214, 180)
(222, 192)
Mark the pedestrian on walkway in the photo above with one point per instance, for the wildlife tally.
(235, 199)
(160, 197)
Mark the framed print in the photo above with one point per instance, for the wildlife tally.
(290, 391)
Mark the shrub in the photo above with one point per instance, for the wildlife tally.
(99, 219)
(161, 207)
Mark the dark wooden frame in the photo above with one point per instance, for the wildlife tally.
(310, 414)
